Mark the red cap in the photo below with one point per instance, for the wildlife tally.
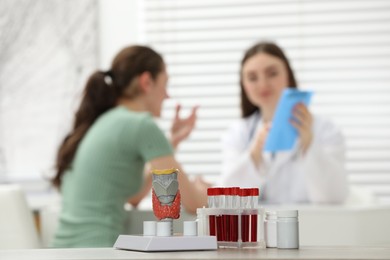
(255, 192)
(245, 192)
(236, 191)
(210, 191)
(218, 191)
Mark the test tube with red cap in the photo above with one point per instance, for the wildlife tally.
(245, 197)
(230, 215)
(211, 200)
(254, 204)
(219, 198)
(225, 217)
(235, 191)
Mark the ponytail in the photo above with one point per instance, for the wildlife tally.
(101, 93)
(98, 97)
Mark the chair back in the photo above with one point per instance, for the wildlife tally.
(17, 226)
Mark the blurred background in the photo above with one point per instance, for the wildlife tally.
(340, 49)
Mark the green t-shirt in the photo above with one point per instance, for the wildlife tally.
(107, 169)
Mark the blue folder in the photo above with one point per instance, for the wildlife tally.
(283, 135)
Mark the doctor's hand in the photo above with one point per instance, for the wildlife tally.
(303, 121)
(256, 150)
(182, 127)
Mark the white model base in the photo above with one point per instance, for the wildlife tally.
(158, 244)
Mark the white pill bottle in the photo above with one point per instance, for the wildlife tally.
(287, 229)
(270, 232)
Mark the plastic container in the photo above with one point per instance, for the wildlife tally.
(270, 233)
(287, 229)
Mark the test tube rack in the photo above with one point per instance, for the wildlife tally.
(233, 228)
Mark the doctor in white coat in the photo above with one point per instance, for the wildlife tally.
(313, 171)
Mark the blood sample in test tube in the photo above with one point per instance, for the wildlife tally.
(245, 204)
(211, 204)
(227, 216)
(254, 203)
(234, 217)
(219, 203)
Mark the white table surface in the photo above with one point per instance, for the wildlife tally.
(110, 253)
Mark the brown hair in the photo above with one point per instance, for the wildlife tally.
(247, 108)
(102, 92)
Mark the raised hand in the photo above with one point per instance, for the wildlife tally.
(258, 144)
(303, 120)
(182, 128)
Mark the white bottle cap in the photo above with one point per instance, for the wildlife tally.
(164, 228)
(150, 228)
(190, 228)
(287, 213)
(270, 215)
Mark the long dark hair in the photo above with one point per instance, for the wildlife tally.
(247, 108)
(102, 92)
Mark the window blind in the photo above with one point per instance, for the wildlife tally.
(340, 49)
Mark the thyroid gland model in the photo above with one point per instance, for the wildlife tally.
(166, 194)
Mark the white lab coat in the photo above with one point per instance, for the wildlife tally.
(287, 177)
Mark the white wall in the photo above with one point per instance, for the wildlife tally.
(69, 41)
(120, 24)
(48, 49)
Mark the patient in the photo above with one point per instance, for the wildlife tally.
(100, 163)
